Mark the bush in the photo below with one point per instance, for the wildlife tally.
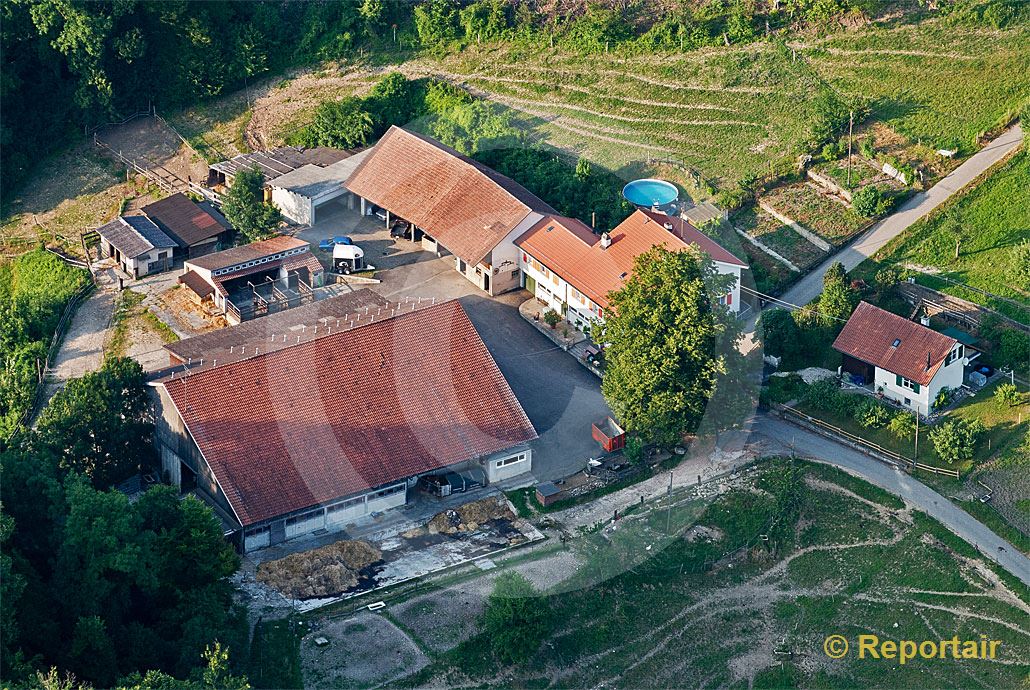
(955, 440)
(902, 425)
(1008, 394)
(552, 318)
(873, 415)
(516, 618)
(944, 396)
(871, 201)
(834, 150)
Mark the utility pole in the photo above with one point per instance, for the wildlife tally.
(917, 436)
(851, 126)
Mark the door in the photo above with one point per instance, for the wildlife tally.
(486, 280)
(530, 283)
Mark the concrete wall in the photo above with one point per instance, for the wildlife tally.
(294, 207)
(509, 464)
(505, 258)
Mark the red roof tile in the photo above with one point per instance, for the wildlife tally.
(570, 249)
(184, 220)
(465, 205)
(350, 411)
(871, 333)
(691, 235)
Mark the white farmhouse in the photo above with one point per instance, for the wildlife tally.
(902, 360)
(572, 269)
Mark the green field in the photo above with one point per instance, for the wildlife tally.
(827, 217)
(792, 555)
(989, 221)
(779, 237)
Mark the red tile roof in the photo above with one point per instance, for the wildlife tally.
(465, 205)
(306, 260)
(870, 335)
(350, 411)
(570, 249)
(183, 220)
(691, 235)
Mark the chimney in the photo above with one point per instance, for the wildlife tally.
(927, 360)
(606, 240)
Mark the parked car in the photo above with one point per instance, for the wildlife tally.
(328, 243)
(342, 239)
(379, 213)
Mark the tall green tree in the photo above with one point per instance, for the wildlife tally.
(667, 344)
(99, 425)
(837, 300)
(516, 618)
(341, 124)
(245, 209)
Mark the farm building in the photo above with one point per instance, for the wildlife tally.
(453, 202)
(318, 434)
(197, 229)
(275, 331)
(572, 269)
(901, 359)
(272, 163)
(137, 245)
(300, 193)
(255, 279)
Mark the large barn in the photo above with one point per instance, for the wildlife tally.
(459, 204)
(329, 426)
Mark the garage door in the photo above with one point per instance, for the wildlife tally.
(305, 523)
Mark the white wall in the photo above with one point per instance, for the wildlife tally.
(505, 258)
(729, 269)
(295, 207)
(949, 376)
(500, 467)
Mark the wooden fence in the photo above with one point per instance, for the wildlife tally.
(884, 453)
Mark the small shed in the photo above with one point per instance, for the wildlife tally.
(547, 493)
(137, 245)
(609, 434)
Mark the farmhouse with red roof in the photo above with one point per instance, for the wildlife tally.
(317, 434)
(572, 269)
(904, 360)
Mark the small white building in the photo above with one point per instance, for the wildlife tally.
(570, 268)
(137, 245)
(901, 359)
(300, 193)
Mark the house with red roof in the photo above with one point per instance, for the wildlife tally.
(569, 267)
(452, 201)
(318, 427)
(905, 361)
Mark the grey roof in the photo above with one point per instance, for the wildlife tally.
(312, 181)
(135, 235)
(276, 162)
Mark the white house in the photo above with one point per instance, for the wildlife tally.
(907, 362)
(572, 269)
(137, 244)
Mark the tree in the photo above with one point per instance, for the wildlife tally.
(99, 425)
(244, 209)
(395, 100)
(341, 124)
(1008, 394)
(436, 21)
(902, 425)
(955, 439)
(837, 300)
(516, 618)
(214, 675)
(667, 344)
(780, 333)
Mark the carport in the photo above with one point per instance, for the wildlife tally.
(300, 193)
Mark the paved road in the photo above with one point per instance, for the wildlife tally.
(779, 436)
(867, 244)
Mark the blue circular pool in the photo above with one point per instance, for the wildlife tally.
(650, 192)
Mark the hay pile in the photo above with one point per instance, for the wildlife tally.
(469, 517)
(322, 572)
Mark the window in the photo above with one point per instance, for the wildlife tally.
(256, 531)
(304, 517)
(388, 491)
(504, 462)
(344, 505)
(902, 382)
(953, 355)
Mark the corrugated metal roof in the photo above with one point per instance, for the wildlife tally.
(350, 411)
(894, 343)
(279, 161)
(135, 235)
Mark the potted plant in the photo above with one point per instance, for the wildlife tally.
(552, 318)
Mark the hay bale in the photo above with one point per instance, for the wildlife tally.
(322, 572)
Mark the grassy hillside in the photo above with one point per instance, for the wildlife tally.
(989, 222)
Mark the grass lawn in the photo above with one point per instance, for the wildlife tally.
(1007, 425)
(275, 655)
(990, 220)
(799, 552)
